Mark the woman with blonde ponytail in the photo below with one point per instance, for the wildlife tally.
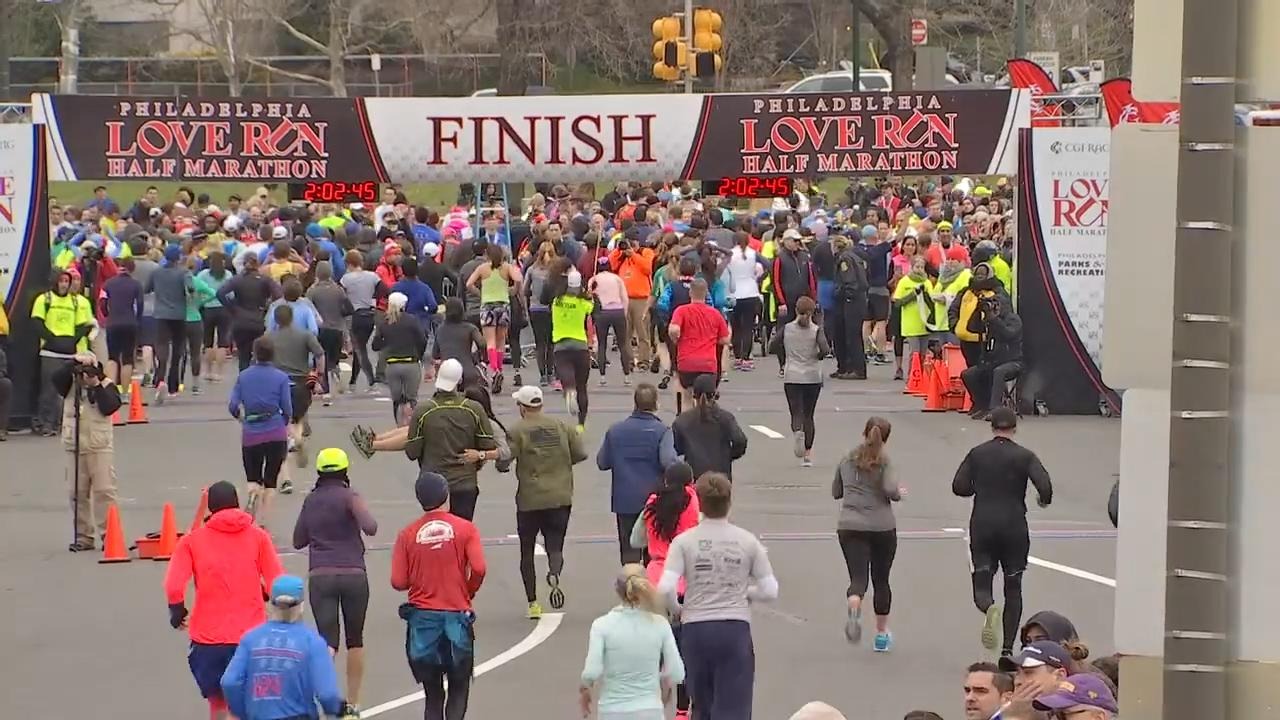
(632, 661)
(865, 486)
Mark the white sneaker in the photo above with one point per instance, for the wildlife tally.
(162, 393)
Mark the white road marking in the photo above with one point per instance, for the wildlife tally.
(1073, 572)
(543, 630)
(766, 431)
(953, 530)
(538, 550)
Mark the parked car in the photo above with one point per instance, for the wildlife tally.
(869, 80)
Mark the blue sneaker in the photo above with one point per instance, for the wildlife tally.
(883, 642)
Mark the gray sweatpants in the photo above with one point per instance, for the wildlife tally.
(403, 379)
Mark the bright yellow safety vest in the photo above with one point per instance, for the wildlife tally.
(569, 318)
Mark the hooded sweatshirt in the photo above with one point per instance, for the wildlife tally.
(231, 561)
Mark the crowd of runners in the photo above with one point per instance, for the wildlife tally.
(672, 288)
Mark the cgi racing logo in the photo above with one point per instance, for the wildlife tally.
(1080, 203)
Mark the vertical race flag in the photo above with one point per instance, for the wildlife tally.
(1123, 108)
(1027, 75)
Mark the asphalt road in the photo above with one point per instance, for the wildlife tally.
(93, 640)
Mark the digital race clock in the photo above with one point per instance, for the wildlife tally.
(332, 191)
(750, 187)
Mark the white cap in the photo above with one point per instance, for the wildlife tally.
(791, 234)
(356, 206)
(212, 209)
(575, 279)
(449, 375)
(280, 232)
(431, 249)
(528, 396)
(397, 299)
(231, 224)
(817, 711)
(912, 232)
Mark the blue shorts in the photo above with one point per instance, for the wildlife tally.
(208, 663)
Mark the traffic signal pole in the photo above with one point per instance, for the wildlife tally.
(855, 37)
(688, 40)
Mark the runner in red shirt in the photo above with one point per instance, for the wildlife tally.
(438, 559)
(699, 331)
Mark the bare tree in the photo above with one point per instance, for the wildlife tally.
(71, 16)
(232, 30)
(892, 22)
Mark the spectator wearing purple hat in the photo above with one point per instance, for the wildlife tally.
(1080, 697)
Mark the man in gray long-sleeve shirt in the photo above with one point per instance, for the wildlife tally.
(171, 284)
(724, 568)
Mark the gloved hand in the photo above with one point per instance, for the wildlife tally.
(177, 615)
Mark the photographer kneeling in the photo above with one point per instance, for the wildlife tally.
(1000, 328)
(87, 406)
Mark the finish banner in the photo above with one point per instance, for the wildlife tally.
(24, 255)
(546, 138)
(1062, 265)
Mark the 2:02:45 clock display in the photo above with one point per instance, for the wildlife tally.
(333, 191)
(749, 187)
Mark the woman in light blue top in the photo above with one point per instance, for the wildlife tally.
(632, 660)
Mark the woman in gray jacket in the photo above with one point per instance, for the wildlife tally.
(867, 530)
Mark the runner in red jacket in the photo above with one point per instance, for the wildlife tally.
(231, 561)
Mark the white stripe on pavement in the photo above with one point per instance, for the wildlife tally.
(545, 627)
(765, 431)
(538, 550)
(1073, 572)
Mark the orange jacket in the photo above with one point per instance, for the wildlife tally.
(636, 271)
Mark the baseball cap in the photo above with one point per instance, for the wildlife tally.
(528, 396)
(1002, 418)
(449, 375)
(791, 234)
(397, 299)
(332, 460)
(574, 279)
(279, 232)
(869, 231)
(287, 591)
(1083, 689)
(430, 249)
(944, 226)
(1036, 654)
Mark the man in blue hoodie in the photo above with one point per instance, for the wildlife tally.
(636, 450)
(281, 670)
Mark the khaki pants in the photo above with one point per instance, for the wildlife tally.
(638, 328)
(97, 480)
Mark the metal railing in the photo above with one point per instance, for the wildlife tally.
(1081, 110)
(15, 112)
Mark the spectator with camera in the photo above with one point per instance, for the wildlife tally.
(87, 407)
(64, 320)
(999, 329)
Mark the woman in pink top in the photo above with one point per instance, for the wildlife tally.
(667, 513)
(610, 293)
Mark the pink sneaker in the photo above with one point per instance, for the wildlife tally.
(555, 385)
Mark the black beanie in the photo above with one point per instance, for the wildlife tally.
(432, 490)
(222, 496)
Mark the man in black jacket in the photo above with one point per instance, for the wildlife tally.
(1001, 328)
(848, 344)
(995, 475)
(793, 278)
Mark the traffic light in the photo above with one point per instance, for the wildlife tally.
(669, 51)
(707, 42)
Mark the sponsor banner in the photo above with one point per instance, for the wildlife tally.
(24, 255)
(548, 138)
(1027, 75)
(1062, 262)
(1122, 107)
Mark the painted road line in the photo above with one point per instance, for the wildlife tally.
(953, 530)
(1073, 572)
(766, 431)
(543, 630)
(538, 550)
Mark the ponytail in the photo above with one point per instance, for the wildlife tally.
(869, 455)
(636, 591)
(1078, 650)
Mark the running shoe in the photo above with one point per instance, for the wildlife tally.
(655, 365)
(363, 441)
(326, 399)
(251, 505)
(897, 374)
(300, 453)
(286, 487)
(555, 385)
(883, 642)
(195, 388)
(306, 429)
(664, 382)
(556, 598)
(543, 381)
(581, 428)
(162, 393)
(626, 380)
(797, 438)
(350, 712)
(519, 381)
(853, 626)
(535, 611)
(991, 628)
(806, 462)
(682, 715)
(748, 365)
(571, 401)
(782, 372)
(603, 381)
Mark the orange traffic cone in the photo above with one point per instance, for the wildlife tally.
(168, 534)
(201, 510)
(137, 415)
(934, 388)
(113, 549)
(116, 419)
(915, 379)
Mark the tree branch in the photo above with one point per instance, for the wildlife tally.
(298, 34)
(289, 73)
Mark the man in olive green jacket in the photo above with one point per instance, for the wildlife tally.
(545, 450)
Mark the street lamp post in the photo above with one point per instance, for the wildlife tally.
(1019, 28)
(855, 37)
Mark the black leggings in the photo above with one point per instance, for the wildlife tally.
(361, 331)
(553, 525)
(195, 344)
(244, 337)
(1004, 548)
(348, 594)
(573, 369)
(438, 705)
(541, 322)
(171, 345)
(615, 320)
(744, 315)
(331, 341)
(802, 400)
(870, 553)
